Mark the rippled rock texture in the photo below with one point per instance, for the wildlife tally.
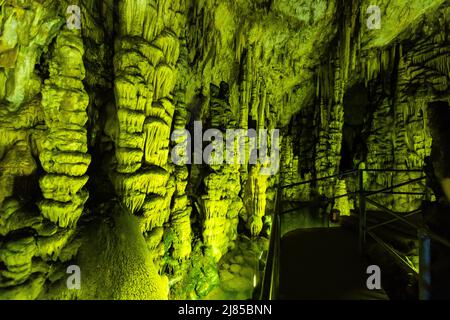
(92, 91)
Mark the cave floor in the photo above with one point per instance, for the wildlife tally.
(324, 264)
(239, 270)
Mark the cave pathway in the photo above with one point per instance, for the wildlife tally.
(324, 264)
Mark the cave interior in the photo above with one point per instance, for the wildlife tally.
(113, 117)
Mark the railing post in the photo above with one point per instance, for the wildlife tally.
(276, 262)
(362, 211)
(270, 280)
(427, 194)
(276, 268)
(424, 265)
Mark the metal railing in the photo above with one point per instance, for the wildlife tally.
(424, 235)
(270, 283)
(271, 277)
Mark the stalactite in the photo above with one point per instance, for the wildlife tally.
(331, 100)
(55, 134)
(221, 204)
(64, 197)
(145, 80)
(181, 209)
(342, 203)
(136, 71)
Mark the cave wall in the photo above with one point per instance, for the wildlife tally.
(389, 91)
(415, 73)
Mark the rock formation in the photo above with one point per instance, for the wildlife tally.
(92, 91)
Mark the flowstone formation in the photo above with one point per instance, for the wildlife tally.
(400, 135)
(43, 147)
(394, 83)
(63, 153)
(147, 52)
(92, 92)
(221, 204)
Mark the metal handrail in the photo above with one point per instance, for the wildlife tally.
(394, 186)
(347, 173)
(338, 175)
(406, 215)
(391, 170)
(424, 236)
(392, 213)
(432, 235)
(270, 281)
(269, 287)
(359, 171)
(399, 259)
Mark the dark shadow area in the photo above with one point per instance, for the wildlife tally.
(357, 112)
(324, 264)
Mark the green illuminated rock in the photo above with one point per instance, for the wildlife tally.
(86, 116)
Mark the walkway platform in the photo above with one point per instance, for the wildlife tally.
(324, 264)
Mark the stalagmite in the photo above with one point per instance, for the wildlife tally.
(145, 78)
(94, 96)
(64, 200)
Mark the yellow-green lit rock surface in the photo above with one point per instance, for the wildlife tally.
(89, 106)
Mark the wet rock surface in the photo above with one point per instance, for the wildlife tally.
(240, 270)
(92, 108)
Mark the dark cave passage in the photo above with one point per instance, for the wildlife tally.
(224, 149)
(324, 264)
